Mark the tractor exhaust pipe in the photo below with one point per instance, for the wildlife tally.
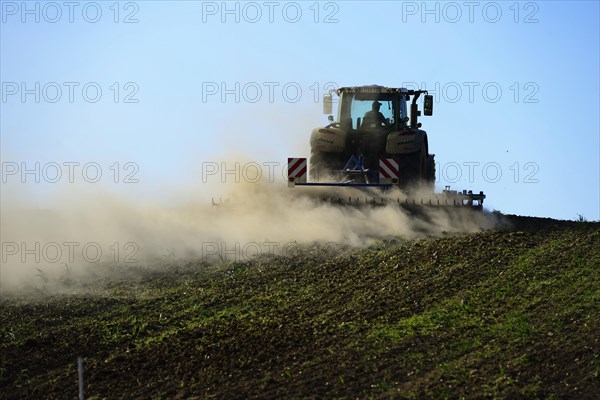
(414, 108)
(414, 114)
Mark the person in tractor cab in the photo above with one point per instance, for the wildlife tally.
(374, 118)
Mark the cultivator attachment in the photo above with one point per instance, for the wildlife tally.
(355, 175)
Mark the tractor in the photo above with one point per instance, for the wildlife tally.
(373, 123)
(376, 141)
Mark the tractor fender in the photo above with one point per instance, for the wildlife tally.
(407, 141)
(328, 139)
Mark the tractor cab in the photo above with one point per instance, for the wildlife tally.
(357, 103)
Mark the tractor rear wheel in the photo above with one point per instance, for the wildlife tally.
(321, 164)
(430, 171)
(412, 169)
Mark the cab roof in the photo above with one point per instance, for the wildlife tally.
(371, 89)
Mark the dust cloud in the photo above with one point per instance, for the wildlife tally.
(91, 230)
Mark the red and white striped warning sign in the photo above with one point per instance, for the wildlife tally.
(296, 168)
(388, 168)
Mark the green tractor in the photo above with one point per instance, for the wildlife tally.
(376, 142)
(373, 123)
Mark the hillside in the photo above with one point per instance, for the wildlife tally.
(498, 314)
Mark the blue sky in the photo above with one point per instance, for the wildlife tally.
(532, 115)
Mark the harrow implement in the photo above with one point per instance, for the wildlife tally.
(386, 178)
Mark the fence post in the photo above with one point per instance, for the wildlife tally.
(80, 373)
